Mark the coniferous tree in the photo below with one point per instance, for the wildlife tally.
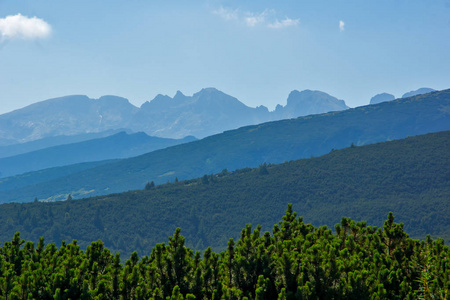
(296, 261)
(150, 185)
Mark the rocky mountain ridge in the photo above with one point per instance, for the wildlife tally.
(205, 113)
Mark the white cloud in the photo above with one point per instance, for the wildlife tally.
(266, 18)
(227, 14)
(254, 19)
(284, 23)
(22, 27)
(341, 25)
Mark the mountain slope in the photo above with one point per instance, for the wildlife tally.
(31, 179)
(17, 149)
(409, 177)
(272, 142)
(120, 145)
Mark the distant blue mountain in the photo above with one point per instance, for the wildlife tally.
(418, 92)
(205, 113)
(70, 115)
(120, 145)
(383, 97)
(306, 103)
(16, 149)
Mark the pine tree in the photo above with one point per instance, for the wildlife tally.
(149, 185)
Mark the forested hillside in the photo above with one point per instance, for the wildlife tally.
(272, 142)
(296, 261)
(409, 177)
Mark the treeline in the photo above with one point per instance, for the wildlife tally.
(296, 261)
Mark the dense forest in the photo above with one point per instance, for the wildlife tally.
(296, 261)
(409, 177)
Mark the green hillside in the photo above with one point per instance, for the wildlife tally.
(410, 177)
(272, 142)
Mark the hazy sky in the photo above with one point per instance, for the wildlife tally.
(256, 51)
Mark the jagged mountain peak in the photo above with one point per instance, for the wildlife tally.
(262, 108)
(159, 102)
(161, 98)
(179, 94)
(206, 112)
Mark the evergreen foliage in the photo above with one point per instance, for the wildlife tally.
(263, 169)
(409, 177)
(149, 185)
(296, 261)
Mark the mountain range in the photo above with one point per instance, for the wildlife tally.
(271, 142)
(207, 112)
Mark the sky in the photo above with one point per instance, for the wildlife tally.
(256, 51)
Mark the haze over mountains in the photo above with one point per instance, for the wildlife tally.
(207, 112)
(120, 145)
(16, 149)
(306, 103)
(271, 142)
(383, 97)
(67, 119)
(420, 91)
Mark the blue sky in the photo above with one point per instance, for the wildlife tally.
(256, 51)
